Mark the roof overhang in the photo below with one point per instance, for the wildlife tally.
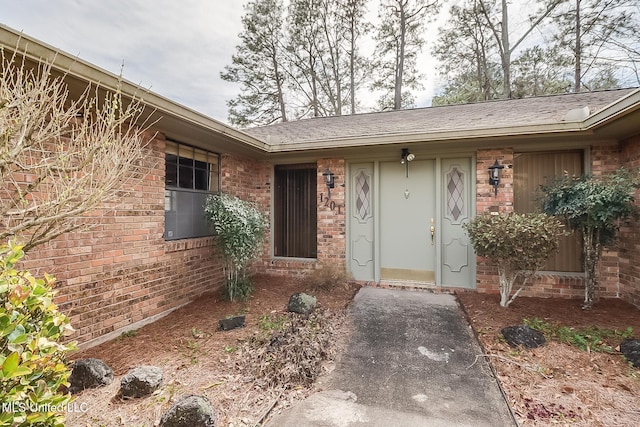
(175, 121)
(617, 121)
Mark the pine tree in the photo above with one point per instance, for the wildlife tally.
(399, 40)
(258, 66)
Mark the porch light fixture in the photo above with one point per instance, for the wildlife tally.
(329, 180)
(494, 176)
(405, 158)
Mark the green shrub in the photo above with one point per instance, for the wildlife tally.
(519, 244)
(240, 229)
(595, 206)
(33, 370)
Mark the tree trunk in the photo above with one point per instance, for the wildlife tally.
(591, 252)
(578, 51)
(352, 66)
(397, 98)
(506, 52)
(276, 70)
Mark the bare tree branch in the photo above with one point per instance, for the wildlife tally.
(59, 157)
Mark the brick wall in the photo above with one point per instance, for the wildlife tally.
(629, 246)
(604, 158)
(121, 273)
(332, 229)
(249, 180)
(487, 202)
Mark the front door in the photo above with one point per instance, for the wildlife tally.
(407, 218)
(406, 224)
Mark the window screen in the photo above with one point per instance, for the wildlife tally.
(191, 175)
(530, 171)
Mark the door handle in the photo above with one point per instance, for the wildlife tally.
(432, 229)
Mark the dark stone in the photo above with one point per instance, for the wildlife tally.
(231, 323)
(302, 303)
(89, 373)
(190, 411)
(630, 348)
(523, 335)
(140, 381)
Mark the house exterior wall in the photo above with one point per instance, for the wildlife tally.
(604, 158)
(629, 246)
(252, 180)
(121, 273)
(332, 230)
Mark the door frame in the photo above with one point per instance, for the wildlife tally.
(439, 199)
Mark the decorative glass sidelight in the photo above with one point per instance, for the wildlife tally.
(455, 193)
(363, 194)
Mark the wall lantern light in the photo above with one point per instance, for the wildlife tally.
(405, 158)
(329, 180)
(494, 175)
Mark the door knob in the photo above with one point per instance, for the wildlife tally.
(432, 229)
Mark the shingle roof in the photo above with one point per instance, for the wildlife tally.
(499, 114)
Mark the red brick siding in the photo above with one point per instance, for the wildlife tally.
(250, 180)
(488, 202)
(604, 158)
(122, 271)
(629, 246)
(332, 229)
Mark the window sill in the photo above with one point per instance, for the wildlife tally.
(187, 244)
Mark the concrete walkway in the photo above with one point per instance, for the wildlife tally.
(410, 362)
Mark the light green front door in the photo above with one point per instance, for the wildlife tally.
(361, 221)
(408, 227)
(457, 256)
(407, 213)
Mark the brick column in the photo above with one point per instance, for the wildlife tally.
(488, 202)
(331, 216)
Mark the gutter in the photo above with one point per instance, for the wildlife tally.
(81, 70)
(405, 138)
(613, 111)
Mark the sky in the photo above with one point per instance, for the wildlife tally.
(176, 48)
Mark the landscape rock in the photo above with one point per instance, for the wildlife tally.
(630, 348)
(302, 303)
(523, 335)
(190, 411)
(231, 323)
(140, 381)
(89, 373)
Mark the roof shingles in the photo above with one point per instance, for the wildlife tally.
(546, 110)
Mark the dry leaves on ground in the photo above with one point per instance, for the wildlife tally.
(198, 359)
(559, 384)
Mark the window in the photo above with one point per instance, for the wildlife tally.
(295, 211)
(191, 175)
(530, 171)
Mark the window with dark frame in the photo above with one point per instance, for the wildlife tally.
(295, 211)
(530, 171)
(191, 174)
